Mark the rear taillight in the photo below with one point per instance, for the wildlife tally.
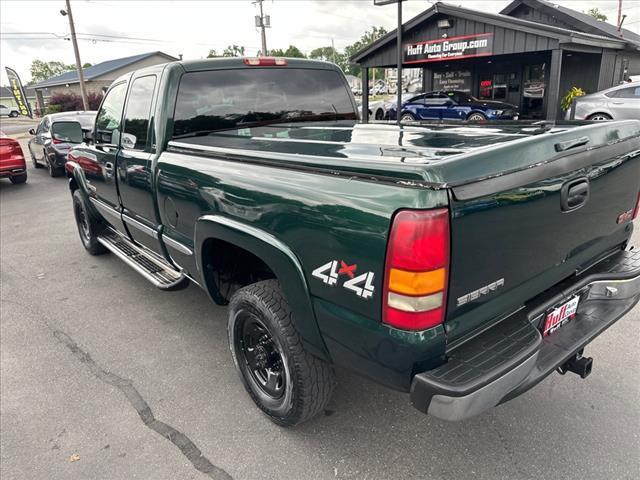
(265, 61)
(637, 210)
(56, 141)
(417, 270)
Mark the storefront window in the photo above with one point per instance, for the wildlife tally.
(534, 89)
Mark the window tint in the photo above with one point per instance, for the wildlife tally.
(110, 114)
(631, 92)
(228, 99)
(40, 128)
(136, 120)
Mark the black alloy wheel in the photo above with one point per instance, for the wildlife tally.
(286, 382)
(261, 356)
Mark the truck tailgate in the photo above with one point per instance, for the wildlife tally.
(514, 236)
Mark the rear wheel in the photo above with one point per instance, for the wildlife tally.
(476, 117)
(19, 178)
(286, 382)
(599, 117)
(88, 227)
(379, 114)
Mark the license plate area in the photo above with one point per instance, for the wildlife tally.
(559, 316)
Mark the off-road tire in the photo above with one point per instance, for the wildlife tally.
(18, 178)
(89, 232)
(309, 380)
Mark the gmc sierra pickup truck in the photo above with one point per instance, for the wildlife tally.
(459, 263)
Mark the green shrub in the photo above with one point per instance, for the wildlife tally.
(567, 100)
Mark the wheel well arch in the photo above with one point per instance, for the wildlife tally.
(273, 259)
(227, 267)
(599, 112)
(476, 112)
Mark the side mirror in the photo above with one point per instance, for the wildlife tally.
(67, 132)
(128, 140)
(32, 131)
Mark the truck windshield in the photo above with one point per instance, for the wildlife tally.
(218, 100)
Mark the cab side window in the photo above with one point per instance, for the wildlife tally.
(136, 119)
(110, 115)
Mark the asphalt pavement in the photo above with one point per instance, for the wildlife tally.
(102, 376)
(17, 127)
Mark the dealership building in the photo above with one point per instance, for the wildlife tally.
(530, 54)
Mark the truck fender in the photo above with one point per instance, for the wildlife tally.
(279, 258)
(77, 179)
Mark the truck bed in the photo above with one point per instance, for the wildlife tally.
(421, 155)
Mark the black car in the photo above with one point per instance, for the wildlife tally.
(47, 149)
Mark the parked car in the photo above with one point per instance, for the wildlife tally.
(12, 164)
(379, 110)
(454, 105)
(459, 265)
(9, 111)
(615, 103)
(51, 150)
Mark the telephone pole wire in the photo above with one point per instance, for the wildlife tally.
(72, 28)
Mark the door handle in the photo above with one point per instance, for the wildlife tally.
(574, 194)
(569, 144)
(618, 103)
(108, 168)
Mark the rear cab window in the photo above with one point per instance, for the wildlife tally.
(245, 102)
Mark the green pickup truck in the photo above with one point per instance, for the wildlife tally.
(459, 263)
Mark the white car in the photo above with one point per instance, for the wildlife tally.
(8, 111)
(616, 103)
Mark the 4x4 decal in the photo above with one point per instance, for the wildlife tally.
(362, 284)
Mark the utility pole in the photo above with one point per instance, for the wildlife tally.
(72, 28)
(619, 24)
(263, 21)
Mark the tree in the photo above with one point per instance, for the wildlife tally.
(366, 39)
(41, 70)
(329, 54)
(233, 51)
(597, 14)
(86, 65)
(292, 52)
(212, 54)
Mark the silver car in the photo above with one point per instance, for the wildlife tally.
(616, 103)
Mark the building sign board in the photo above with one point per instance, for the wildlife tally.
(452, 80)
(454, 48)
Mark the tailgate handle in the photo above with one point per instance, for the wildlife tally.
(574, 194)
(569, 144)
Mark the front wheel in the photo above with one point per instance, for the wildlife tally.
(286, 382)
(476, 117)
(88, 227)
(13, 114)
(53, 171)
(407, 117)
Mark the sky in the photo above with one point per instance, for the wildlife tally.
(109, 29)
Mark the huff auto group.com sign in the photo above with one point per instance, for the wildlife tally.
(453, 48)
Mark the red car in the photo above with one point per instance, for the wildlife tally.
(12, 164)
